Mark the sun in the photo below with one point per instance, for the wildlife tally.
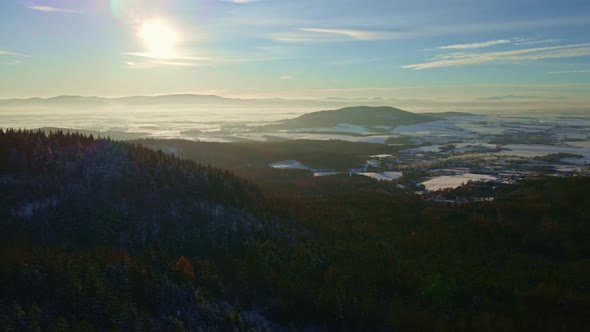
(159, 38)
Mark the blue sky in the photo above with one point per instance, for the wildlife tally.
(445, 50)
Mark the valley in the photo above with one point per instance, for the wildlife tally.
(447, 149)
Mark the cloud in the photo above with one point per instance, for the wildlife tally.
(513, 41)
(11, 63)
(465, 59)
(310, 35)
(152, 56)
(156, 64)
(535, 42)
(354, 34)
(51, 9)
(568, 72)
(14, 54)
(150, 61)
(475, 45)
(287, 77)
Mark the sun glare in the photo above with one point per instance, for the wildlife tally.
(160, 38)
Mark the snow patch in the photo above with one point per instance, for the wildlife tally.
(455, 181)
(288, 164)
(423, 149)
(382, 156)
(326, 173)
(385, 176)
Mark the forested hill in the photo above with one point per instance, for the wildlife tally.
(100, 235)
(359, 115)
(89, 226)
(79, 190)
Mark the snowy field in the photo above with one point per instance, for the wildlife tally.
(386, 176)
(455, 181)
(454, 127)
(289, 164)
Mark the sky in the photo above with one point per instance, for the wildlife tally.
(501, 50)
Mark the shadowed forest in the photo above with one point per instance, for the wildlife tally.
(103, 235)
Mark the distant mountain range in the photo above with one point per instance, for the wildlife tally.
(190, 100)
(174, 99)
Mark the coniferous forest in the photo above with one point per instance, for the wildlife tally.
(101, 235)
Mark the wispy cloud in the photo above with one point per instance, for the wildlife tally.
(150, 61)
(520, 41)
(515, 41)
(310, 35)
(12, 62)
(14, 54)
(287, 77)
(568, 72)
(354, 34)
(152, 56)
(464, 59)
(156, 64)
(11, 56)
(475, 45)
(51, 9)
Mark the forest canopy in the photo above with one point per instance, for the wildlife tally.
(105, 235)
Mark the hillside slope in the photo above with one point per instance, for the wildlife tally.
(72, 189)
(103, 235)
